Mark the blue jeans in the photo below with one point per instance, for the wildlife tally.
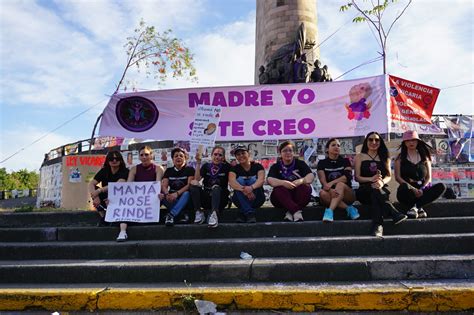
(178, 205)
(248, 206)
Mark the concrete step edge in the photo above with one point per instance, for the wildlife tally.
(419, 296)
(230, 261)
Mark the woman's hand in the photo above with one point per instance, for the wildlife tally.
(288, 185)
(418, 193)
(172, 197)
(198, 157)
(161, 196)
(96, 201)
(378, 184)
(298, 182)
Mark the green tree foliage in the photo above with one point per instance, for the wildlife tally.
(158, 55)
(373, 12)
(22, 179)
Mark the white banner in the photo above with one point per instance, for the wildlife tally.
(280, 111)
(133, 202)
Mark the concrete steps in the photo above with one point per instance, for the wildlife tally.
(443, 208)
(225, 270)
(293, 265)
(235, 230)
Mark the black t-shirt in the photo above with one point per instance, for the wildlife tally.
(104, 178)
(254, 169)
(414, 174)
(215, 174)
(177, 179)
(299, 170)
(334, 168)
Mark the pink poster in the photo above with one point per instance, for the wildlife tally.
(283, 111)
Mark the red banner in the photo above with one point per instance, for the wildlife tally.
(411, 101)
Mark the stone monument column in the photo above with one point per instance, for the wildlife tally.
(277, 23)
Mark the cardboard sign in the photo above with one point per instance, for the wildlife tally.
(205, 125)
(134, 202)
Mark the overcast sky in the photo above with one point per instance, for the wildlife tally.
(58, 58)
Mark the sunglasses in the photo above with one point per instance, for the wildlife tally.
(114, 158)
(374, 139)
(218, 154)
(287, 151)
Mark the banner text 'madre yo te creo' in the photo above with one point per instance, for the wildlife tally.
(289, 111)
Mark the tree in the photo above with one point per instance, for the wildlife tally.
(23, 179)
(373, 14)
(157, 54)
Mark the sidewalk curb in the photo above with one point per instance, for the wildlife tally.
(389, 297)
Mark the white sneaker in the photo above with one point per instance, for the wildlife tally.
(412, 213)
(213, 220)
(288, 217)
(122, 237)
(298, 216)
(200, 217)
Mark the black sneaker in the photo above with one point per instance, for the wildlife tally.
(241, 218)
(184, 219)
(169, 220)
(398, 218)
(377, 231)
(251, 218)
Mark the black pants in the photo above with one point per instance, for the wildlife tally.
(406, 195)
(379, 202)
(214, 198)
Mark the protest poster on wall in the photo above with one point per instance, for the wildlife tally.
(411, 106)
(133, 202)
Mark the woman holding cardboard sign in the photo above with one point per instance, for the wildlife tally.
(114, 170)
(146, 171)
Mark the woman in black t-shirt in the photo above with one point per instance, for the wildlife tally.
(335, 175)
(413, 173)
(214, 193)
(247, 178)
(372, 171)
(175, 186)
(291, 180)
(113, 170)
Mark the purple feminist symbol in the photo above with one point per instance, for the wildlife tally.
(136, 113)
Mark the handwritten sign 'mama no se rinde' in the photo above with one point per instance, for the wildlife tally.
(133, 202)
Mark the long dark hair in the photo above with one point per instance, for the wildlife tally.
(329, 143)
(422, 148)
(113, 154)
(382, 151)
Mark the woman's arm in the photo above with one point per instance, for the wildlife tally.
(398, 174)
(197, 172)
(159, 172)
(131, 174)
(388, 177)
(233, 182)
(275, 182)
(93, 191)
(260, 179)
(428, 173)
